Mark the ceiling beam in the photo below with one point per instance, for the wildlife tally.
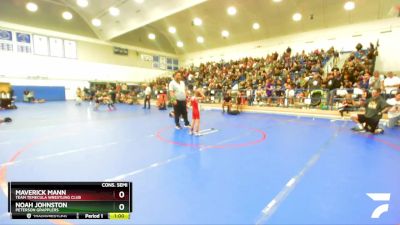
(170, 7)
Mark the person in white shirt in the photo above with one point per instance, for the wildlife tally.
(147, 95)
(391, 84)
(177, 91)
(394, 111)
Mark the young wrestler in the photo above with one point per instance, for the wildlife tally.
(198, 94)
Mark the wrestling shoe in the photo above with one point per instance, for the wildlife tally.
(379, 131)
(178, 127)
(358, 129)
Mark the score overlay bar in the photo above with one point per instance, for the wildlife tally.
(70, 200)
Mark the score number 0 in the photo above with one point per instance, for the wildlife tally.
(121, 195)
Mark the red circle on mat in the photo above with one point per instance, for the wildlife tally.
(262, 138)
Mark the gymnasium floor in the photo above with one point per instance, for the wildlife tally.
(253, 169)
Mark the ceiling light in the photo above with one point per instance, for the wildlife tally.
(67, 15)
(114, 11)
(225, 33)
(296, 17)
(256, 26)
(179, 44)
(172, 30)
(231, 10)
(96, 22)
(82, 3)
(200, 39)
(276, 0)
(197, 21)
(151, 36)
(139, 1)
(31, 7)
(350, 5)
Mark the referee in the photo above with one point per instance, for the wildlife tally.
(177, 92)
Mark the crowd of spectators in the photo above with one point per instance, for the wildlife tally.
(288, 79)
(118, 92)
(258, 78)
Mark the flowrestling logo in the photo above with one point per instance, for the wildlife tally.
(384, 198)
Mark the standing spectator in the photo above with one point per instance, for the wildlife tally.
(178, 98)
(147, 95)
(269, 88)
(113, 98)
(227, 101)
(391, 84)
(334, 83)
(364, 82)
(249, 96)
(118, 88)
(124, 88)
(394, 111)
(290, 94)
(240, 101)
(79, 95)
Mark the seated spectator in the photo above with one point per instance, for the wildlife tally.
(364, 83)
(315, 82)
(26, 94)
(259, 95)
(340, 94)
(391, 84)
(376, 81)
(31, 96)
(347, 105)
(358, 91)
(394, 111)
(374, 108)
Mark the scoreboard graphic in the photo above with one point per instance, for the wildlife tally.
(70, 200)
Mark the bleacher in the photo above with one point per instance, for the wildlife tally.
(292, 76)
